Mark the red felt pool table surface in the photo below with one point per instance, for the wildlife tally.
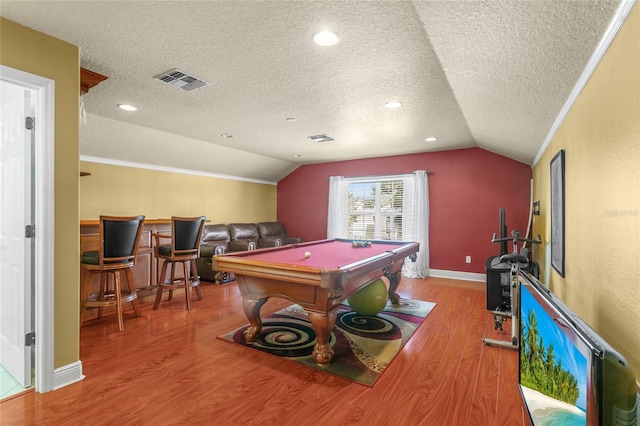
(325, 254)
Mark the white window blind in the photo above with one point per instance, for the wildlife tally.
(375, 210)
(393, 207)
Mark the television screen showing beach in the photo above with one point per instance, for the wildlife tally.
(553, 372)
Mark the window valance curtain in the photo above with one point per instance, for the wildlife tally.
(338, 199)
(415, 222)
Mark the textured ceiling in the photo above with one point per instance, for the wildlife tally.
(493, 74)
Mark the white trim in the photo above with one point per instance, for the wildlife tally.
(614, 26)
(68, 374)
(122, 163)
(44, 221)
(457, 275)
(45, 249)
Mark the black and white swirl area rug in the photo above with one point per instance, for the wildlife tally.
(363, 345)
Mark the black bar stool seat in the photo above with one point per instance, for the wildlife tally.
(118, 239)
(186, 234)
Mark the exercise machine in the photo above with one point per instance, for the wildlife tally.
(517, 261)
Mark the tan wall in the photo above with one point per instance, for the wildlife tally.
(36, 53)
(601, 137)
(109, 190)
(120, 190)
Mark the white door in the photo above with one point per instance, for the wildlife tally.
(15, 214)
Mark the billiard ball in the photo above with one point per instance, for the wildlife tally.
(307, 254)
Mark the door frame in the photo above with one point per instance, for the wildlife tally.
(44, 209)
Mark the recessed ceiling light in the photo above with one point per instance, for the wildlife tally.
(393, 104)
(296, 155)
(326, 38)
(431, 139)
(226, 135)
(127, 107)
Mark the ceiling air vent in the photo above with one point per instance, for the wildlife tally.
(320, 138)
(182, 80)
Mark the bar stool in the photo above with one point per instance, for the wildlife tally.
(118, 239)
(186, 233)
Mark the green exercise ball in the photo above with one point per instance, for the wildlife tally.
(370, 299)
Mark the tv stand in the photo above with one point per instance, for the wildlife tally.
(498, 292)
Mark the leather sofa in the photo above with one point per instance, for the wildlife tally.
(234, 237)
(272, 234)
(244, 236)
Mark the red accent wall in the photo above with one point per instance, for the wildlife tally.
(466, 189)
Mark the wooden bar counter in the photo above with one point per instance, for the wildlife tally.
(145, 271)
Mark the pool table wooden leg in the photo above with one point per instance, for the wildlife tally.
(323, 325)
(251, 309)
(394, 281)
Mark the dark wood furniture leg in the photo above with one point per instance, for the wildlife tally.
(323, 325)
(132, 289)
(251, 309)
(394, 281)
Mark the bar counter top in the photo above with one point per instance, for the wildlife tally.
(146, 221)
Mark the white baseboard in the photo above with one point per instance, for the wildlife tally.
(70, 373)
(457, 275)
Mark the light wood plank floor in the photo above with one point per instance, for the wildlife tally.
(167, 367)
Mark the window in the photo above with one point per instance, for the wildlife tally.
(374, 210)
(394, 207)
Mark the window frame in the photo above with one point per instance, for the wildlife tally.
(392, 228)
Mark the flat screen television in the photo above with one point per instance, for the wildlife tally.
(568, 374)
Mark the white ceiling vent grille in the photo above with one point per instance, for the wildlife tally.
(182, 80)
(320, 138)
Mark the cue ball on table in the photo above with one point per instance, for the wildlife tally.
(307, 254)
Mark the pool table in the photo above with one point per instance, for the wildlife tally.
(319, 283)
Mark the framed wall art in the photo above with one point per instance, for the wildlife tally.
(557, 212)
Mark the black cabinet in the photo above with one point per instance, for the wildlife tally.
(498, 285)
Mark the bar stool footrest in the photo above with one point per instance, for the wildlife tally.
(110, 299)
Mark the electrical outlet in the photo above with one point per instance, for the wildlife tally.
(468, 259)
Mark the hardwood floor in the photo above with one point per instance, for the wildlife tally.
(167, 367)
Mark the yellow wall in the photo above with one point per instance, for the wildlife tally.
(601, 139)
(110, 189)
(120, 190)
(36, 53)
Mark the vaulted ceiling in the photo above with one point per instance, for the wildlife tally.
(492, 74)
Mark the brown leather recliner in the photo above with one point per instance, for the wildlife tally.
(273, 234)
(244, 236)
(215, 240)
